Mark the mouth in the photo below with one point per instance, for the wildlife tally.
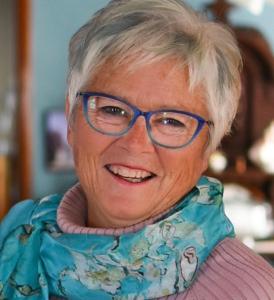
(130, 175)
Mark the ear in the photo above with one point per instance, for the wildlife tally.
(69, 129)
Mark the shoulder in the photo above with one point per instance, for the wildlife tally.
(28, 212)
(233, 271)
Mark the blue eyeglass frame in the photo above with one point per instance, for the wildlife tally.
(146, 114)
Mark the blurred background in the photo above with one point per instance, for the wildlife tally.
(34, 158)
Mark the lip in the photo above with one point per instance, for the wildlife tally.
(128, 183)
(138, 168)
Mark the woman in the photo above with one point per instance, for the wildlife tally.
(152, 89)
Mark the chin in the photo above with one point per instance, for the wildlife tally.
(126, 212)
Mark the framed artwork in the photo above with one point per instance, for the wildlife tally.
(58, 155)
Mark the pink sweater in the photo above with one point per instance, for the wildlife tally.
(232, 271)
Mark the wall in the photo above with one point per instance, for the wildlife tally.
(53, 24)
(8, 82)
(264, 22)
(240, 16)
(7, 48)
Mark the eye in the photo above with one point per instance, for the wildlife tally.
(114, 111)
(171, 122)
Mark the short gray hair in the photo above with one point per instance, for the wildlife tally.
(153, 30)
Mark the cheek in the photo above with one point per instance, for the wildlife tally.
(87, 164)
(88, 148)
(84, 163)
(185, 166)
(83, 138)
(84, 150)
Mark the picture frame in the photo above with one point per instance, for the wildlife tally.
(58, 154)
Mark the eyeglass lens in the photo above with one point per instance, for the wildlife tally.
(168, 128)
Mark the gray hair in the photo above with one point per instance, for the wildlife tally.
(153, 30)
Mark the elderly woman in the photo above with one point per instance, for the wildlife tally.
(152, 89)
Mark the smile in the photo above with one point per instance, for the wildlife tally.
(130, 175)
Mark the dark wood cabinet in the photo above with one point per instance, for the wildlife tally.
(256, 110)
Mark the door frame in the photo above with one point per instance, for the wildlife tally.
(24, 71)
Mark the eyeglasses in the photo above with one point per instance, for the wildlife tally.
(169, 128)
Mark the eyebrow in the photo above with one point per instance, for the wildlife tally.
(120, 95)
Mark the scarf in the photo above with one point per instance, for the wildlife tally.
(37, 259)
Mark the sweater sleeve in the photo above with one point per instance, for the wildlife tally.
(232, 271)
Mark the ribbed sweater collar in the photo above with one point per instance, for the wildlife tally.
(72, 216)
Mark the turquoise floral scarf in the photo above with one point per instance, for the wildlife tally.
(38, 260)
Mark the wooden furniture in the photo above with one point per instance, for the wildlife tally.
(17, 165)
(256, 109)
(4, 185)
(24, 157)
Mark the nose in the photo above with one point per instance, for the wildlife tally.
(137, 140)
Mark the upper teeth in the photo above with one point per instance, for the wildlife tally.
(129, 173)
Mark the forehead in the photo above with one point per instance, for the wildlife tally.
(161, 84)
